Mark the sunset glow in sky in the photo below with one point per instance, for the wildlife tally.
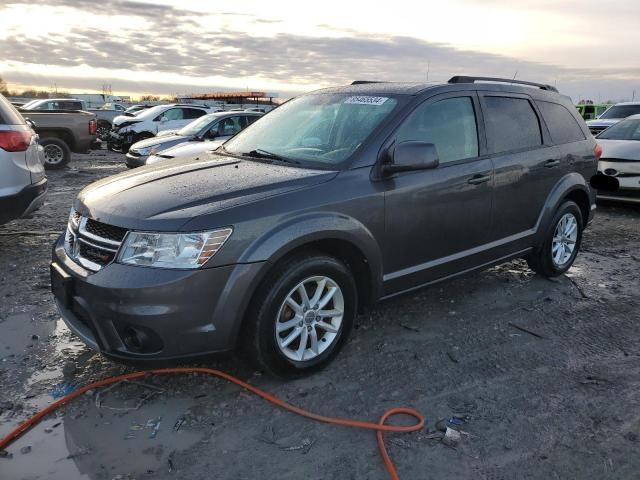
(587, 48)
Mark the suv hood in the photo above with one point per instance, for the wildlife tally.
(619, 149)
(605, 122)
(165, 196)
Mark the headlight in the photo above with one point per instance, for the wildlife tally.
(146, 150)
(172, 250)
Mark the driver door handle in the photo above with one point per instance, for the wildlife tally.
(478, 179)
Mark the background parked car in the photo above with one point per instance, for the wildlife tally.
(62, 133)
(128, 130)
(23, 184)
(214, 126)
(613, 115)
(621, 159)
(55, 104)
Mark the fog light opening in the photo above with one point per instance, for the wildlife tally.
(135, 339)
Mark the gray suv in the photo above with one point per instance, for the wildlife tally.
(333, 201)
(23, 184)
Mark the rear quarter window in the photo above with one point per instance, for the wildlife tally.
(562, 126)
(511, 123)
(8, 113)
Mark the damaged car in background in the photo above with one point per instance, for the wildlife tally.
(213, 127)
(333, 201)
(147, 123)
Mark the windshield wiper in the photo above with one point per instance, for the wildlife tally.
(260, 153)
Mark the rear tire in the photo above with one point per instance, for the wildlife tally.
(561, 244)
(279, 313)
(56, 153)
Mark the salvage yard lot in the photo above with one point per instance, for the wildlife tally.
(547, 374)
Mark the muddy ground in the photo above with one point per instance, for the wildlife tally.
(545, 373)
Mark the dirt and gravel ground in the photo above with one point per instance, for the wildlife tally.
(546, 373)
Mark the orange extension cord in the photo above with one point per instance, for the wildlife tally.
(379, 427)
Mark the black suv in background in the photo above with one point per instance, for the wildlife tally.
(335, 200)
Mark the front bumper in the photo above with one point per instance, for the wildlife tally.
(137, 313)
(120, 140)
(628, 175)
(26, 201)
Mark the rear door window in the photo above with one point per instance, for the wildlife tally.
(449, 124)
(562, 125)
(511, 124)
(192, 113)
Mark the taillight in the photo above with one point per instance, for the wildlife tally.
(15, 140)
(597, 151)
(93, 127)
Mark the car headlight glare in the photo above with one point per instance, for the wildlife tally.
(172, 250)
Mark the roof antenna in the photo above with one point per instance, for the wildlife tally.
(515, 75)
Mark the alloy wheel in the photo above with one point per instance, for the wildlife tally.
(310, 318)
(564, 240)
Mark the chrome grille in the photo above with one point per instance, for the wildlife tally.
(93, 244)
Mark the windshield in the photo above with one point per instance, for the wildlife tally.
(193, 128)
(321, 129)
(628, 129)
(621, 111)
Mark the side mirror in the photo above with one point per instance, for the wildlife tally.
(31, 123)
(164, 119)
(411, 156)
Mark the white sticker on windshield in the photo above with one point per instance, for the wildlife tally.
(366, 100)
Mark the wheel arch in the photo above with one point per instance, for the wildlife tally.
(572, 186)
(63, 134)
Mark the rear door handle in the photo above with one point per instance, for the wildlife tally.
(478, 179)
(551, 163)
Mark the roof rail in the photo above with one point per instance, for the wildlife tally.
(465, 79)
(365, 82)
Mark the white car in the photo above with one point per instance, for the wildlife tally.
(146, 124)
(621, 159)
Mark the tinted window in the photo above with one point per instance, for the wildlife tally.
(229, 126)
(250, 119)
(511, 123)
(8, 113)
(191, 113)
(562, 125)
(449, 124)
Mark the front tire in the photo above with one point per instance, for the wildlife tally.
(301, 315)
(561, 244)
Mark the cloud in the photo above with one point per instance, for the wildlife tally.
(176, 42)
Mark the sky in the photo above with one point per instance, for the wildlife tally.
(587, 48)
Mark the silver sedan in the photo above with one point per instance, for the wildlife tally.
(621, 159)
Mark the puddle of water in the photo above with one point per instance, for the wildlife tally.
(17, 331)
(102, 443)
